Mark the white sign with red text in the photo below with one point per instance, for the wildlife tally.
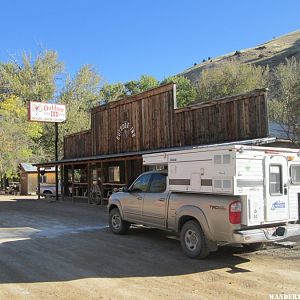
(47, 112)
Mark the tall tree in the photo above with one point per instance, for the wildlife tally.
(17, 135)
(284, 104)
(117, 91)
(83, 89)
(229, 79)
(31, 80)
(112, 92)
(144, 83)
(79, 95)
(185, 91)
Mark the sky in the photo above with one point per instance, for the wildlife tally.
(124, 39)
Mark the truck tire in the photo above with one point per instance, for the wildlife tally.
(46, 193)
(116, 224)
(193, 240)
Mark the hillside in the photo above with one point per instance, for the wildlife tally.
(270, 53)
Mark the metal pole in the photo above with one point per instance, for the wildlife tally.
(56, 159)
(39, 183)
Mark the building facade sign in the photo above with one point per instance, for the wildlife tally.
(125, 130)
(47, 112)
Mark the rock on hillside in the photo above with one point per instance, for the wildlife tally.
(270, 53)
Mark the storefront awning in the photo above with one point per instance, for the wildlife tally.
(130, 155)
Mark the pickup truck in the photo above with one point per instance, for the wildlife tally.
(214, 195)
(48, 189)
(148, 202)
(203, 221)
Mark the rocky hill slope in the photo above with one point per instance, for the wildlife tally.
(270, 53)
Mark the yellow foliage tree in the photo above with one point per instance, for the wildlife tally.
(17, 135)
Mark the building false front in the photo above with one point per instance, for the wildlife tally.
(150, 121)
(109, 155)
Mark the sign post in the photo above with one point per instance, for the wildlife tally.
(49, 112)
(56, 159)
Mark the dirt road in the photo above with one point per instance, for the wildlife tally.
(58, 250)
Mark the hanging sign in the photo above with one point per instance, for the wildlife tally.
(47, 112)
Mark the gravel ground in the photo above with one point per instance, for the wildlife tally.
(60, 250)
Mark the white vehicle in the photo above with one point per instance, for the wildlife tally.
(49, 189)
(215, 195)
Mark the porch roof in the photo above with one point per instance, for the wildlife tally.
(130, 155)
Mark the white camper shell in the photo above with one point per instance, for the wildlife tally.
(267, 179)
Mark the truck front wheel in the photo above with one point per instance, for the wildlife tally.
(193, 240)
(116, 224)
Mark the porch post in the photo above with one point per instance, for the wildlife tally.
(62, 189)
(39, 183)
(73, 190)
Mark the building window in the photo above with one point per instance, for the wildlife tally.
(114, 174)
(43, 179)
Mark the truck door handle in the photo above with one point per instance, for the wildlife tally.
(140, 198)
(161, 199)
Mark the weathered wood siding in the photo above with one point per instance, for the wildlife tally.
(78, 144)
(140, 122)
(229, 119)
(149, 121)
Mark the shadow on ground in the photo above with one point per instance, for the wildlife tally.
(96, 253)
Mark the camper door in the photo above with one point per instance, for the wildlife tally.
(294, 189)
(276, 188)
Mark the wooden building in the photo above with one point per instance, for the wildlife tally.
(109, 155)
(29, 178)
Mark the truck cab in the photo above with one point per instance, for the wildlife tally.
(145, 200)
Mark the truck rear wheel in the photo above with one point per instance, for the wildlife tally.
(116, 224)
(46, 193)
(193, 240)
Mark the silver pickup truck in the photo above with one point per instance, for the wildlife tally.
(203, 221)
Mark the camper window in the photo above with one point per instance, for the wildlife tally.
(275, 180)
(295, 174)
